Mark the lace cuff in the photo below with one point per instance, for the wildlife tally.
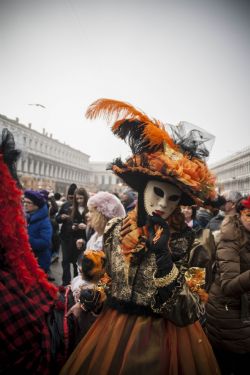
(166, 280)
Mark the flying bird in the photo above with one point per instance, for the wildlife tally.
(38, 105)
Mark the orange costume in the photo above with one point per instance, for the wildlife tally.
(150, 321)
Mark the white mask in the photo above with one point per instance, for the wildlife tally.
(161, 198)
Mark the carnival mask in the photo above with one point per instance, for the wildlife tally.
(245, 215)
(161, 198)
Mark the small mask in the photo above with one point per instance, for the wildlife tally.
(161, 198)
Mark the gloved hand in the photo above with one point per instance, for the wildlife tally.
(159, 244)
(159, 239)
(90, 299)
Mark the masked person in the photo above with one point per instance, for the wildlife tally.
(150, 322)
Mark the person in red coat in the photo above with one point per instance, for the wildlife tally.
(26, 296)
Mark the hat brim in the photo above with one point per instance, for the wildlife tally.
(137, 180)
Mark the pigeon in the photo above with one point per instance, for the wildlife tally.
(38, 105)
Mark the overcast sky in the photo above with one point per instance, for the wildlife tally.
(179, 60)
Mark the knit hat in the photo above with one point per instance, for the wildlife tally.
(35, 197)
(72, 189)
(178, 159)
(45, 194)
(108, 204)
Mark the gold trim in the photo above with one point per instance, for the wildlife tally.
(160, 282)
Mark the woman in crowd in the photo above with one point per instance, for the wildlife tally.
(151, 319)
(190, 217)
(102, 207)
(39, 227)
(72, 215)
(79, 223)
(63, 218)
(228, 307)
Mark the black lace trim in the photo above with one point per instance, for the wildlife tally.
(130, 308)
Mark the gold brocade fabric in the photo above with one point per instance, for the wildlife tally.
(133, 281)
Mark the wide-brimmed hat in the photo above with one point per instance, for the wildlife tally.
(178, 158)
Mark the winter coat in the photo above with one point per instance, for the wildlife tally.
(228, 307)
(66, 228)
(79, 233)
(40, 235)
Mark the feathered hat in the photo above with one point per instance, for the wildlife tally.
(178, 159)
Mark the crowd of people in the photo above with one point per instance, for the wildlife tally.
(161, 271)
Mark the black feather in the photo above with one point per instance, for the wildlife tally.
(10, 154)
(132, 132)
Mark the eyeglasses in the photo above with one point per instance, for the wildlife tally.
(27, 202)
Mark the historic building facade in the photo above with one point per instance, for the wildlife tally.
(101, 179)
(233, 172)
(47, 163)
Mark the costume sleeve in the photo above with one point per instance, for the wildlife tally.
(174, 299)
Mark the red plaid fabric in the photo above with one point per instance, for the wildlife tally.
(24, 334)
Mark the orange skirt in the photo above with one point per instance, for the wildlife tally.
(121, 344)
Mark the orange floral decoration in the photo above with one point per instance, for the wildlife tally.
(195, 278)
(135, 240)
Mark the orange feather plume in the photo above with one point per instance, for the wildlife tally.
(109, 108)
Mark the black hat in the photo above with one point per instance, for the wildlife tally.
(72, 189)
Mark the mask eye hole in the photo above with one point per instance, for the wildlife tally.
(174, 198)
(159, 192)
